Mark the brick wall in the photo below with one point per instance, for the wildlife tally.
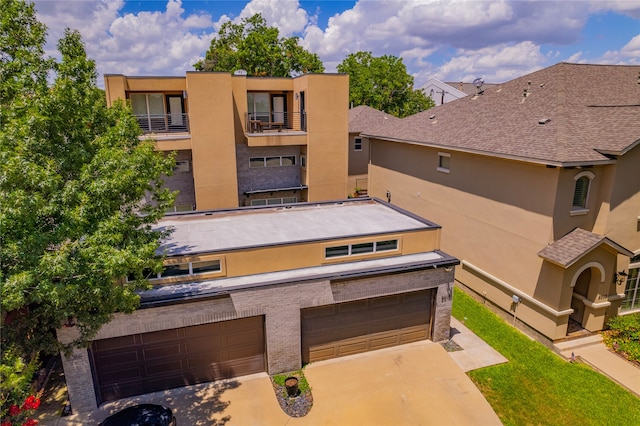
(279, 303)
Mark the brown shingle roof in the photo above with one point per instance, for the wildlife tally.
(592, 110)
(577, 243)
(364, 117)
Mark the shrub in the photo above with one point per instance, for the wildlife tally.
(623, 336)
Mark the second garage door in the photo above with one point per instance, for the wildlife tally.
(148, 362)
(364, 325)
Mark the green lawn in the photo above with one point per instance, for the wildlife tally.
(537, 387)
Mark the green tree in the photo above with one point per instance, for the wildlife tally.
(258, 49)
(79, 193)
(383, 83)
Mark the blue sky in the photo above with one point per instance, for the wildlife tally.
(446, 39)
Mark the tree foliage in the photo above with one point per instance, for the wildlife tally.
(80, 192)
(382, 83)
(258, 49)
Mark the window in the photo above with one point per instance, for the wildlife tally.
(184, 269)
(357, 144)
(303, 161)
(360, 248)
(273, 161)
(581, 193)
(181, 166)
(274, 201)
(205, 266)
(444, 161)
(283, 161)
(631, 299)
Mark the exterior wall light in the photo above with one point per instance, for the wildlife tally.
(619, 277)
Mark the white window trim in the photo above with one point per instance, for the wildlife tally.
(579, 211)
(355, 144)
(350, 245)
(443, 169)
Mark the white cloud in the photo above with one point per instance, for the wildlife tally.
(446, 39)
(161, 42)
(286, 15)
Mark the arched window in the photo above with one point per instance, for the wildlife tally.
(581, 191)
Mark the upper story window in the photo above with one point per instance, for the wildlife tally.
(360, 248)
(159, 112)
(357, 144)
(444, 162)
(581, 193)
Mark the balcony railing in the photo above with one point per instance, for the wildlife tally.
(163, 123)
(275, 122)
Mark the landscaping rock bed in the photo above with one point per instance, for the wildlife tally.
(297, 406)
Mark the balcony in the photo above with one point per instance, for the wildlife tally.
(275, 129)
(163, 123)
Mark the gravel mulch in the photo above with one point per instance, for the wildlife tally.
(297, 406)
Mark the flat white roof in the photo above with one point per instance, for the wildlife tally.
(182, 291)
(225, 230)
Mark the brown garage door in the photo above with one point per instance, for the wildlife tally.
(353, 327)
(142, 363)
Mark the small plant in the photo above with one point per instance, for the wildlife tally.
(623, 336)
(303, 385)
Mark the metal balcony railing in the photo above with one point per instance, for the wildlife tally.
(163, 123)
(275, 121)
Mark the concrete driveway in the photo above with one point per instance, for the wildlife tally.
(415, 384)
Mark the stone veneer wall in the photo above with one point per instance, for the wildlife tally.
(279, 303)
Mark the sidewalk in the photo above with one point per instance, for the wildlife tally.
(595, 353)
(476, 353)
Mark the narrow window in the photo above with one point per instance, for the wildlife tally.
(362, 248)
(289, 160)
(357, 144)
(273, 161)
(259, 202)
(444, 161)
(580, 193)
(175, 270)
(255, 162)
(303, 161)
(387, 245)
(336, 251)
(205, 266)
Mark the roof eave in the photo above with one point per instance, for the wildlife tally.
(564, 164)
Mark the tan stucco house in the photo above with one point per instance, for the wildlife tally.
(242, 141)
(266, 289)
(362, 118)
(536, 183)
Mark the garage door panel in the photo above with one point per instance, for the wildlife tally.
(172, 358)
(114, 343)
(354, 327)
(162, 367)
(163, 351)
(160, 336)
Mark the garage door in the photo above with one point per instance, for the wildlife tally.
(365, 325)
(142, 363)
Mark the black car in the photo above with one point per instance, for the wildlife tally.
(142, 415)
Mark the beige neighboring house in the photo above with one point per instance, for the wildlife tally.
(268, 289)
(362, 118)
(536, 183)
(243, 141)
